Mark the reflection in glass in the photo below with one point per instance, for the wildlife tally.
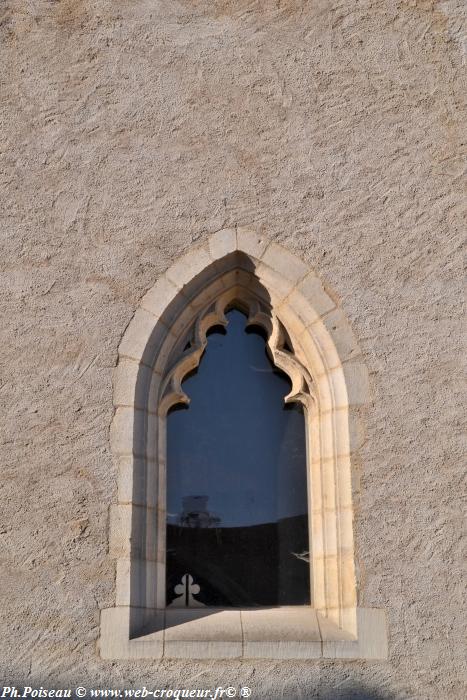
(237, 513)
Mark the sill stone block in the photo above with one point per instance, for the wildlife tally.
(212, 633)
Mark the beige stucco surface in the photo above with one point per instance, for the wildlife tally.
(134, 129)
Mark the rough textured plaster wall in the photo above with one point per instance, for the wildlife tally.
(130, 131)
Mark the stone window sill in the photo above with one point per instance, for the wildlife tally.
(267, 633)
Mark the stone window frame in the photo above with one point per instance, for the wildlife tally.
(278, 291)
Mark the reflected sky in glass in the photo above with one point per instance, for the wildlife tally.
(237, 444)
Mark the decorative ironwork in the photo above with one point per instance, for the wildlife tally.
(185, 592)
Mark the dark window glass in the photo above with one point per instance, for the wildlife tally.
(237, 514)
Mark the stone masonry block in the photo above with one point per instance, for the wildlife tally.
(222, 243)
(123, 582)
(120, 531)
(136, 483)
(188, 266)
(372, 642)
(142, 336)
(342, 335)
(285, 633)
(357, 432)
(115, 642)
(312, 289)
(131, 383)
(201, 634)
(125, 481)
(128, 432)
(121, 432)
(277, 286)
(285, 263)
(302, 308)
(251, 242)
(344, 387)
(157, 299)
(357, 383)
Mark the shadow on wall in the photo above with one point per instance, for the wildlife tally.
(352, 692)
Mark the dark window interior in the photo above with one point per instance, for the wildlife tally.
(237, 513)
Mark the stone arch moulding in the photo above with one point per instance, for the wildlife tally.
(308, 338)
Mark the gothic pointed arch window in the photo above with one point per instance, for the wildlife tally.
(233, 532)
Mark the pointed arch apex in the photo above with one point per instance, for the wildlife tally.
(259, 248)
